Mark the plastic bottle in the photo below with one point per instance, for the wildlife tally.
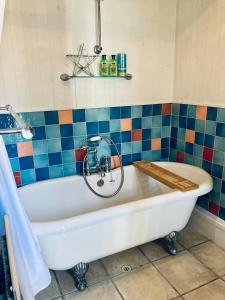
(104, 66)
(122, 64)
(113, 66)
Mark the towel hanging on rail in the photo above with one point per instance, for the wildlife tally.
(32, 271)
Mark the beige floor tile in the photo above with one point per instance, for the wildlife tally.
(189, 237)
(184, 271)
(212, 291)
(155, 251)
(212, 256)
(51, 292)
(102, 291)
(95, 274)
(132, 257)
(144, 284)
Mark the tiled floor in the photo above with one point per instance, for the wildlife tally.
(197, 272)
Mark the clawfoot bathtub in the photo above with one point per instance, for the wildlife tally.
(74, 225)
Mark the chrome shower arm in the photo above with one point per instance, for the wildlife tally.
(98, 47)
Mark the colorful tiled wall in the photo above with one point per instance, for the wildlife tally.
(140, 132)
(198, 138)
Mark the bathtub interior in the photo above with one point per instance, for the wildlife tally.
(69, 197)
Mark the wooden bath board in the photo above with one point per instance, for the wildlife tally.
(166, 177)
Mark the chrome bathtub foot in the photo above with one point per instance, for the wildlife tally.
(170, 240)
(79, 272)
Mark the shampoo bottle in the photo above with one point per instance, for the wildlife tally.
(113, 66)
(104, 66)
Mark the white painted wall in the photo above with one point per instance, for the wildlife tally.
(200, 52)
(38, 34)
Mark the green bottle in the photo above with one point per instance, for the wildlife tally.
(104, 66)
(113, 66)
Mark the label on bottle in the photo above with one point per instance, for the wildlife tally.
(104, 69)
(113, 69)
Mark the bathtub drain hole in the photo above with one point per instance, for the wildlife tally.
(126, 268)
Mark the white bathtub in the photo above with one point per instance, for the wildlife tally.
(73, 225)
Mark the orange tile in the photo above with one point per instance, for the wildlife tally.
(136, 135)
(125, 124)
(115, 161)
(24, 149)
(201, 112)
(65, 116)
(156, 144)
(190, 136)
(166, 109)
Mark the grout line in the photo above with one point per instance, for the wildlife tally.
(59, 287)
(199, 286)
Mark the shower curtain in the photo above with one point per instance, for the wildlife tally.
(32, 271)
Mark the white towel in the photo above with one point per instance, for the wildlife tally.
(32, 271)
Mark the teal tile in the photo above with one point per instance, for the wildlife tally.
(114, 125)
(69, 169)
(55, 171)
(181, 133)
(52, 131)
(217, 184)
(198, 150)
(214, 196)
(156, 155)
(28, 176)
(219, 157)
(173, 154)
(40, 147)
(156, 121)
(136, 111)
(146, 122)
(79, 140)
(222, 200)
(175, 109)
(200, 126)
(146, 155)
(197, 161)
(41, 161)
(104, 151)
(136, 147)
(221, 115)
(68, 156)
(156, 132)
(192, 111)
(166, 131)
(126, 148)
(37, 118)
(188, 159)
(180, 145)
(210, 127)
(54, 145)
(219, 143)
(91, 114)
(79, 129)
(15, 164)
(175, 121)
(103, 114)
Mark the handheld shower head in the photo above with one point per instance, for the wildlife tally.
(65, 77)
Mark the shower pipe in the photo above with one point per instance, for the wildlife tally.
(98, 47)
(26, 131)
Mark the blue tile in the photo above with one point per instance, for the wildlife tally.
(92, 128)
(223, 187)
(211, 113)
(52, 131)
(183, 110)
(55, 158)
(173, 143)
(146, 145)
(15, 164)
(114, 150)
(191, 123)
(136, 111)
(199, 138)
(217, 171)
(222, 213)
(40, 147)
(54, 145)
(66, 130)
(126, 159)
(125, 112)
(174, 132)
(79, 168)
(115, 113)
(136, 123)
(146, 134)
(116, 137)
(165, 153)
(55, 171)
(79, 115)
(189, 148)
(147, 110)
(41, 161)
(203, 202)
(42, 173)
(114, 125)
(51, 117)
(39, 133)
(156, 109)
(136, 157)
(126, 136)
(67, 143)
(220, 130)
(183, 122)
(103, 126)
(12, 150)
(26, 162)
(207, 166)
(165, 142)
(209, 141)
(28, 176)
(166, 120)
(68, 156)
